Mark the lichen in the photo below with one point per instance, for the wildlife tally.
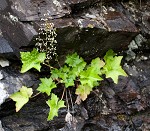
(12, 17)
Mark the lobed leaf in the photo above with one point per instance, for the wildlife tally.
(97, 64)
(112, 68)
(32, 60)
(55, 104)
(46, 85)
(74, 60)
(89, 77)
(83, 91)
(21, 97)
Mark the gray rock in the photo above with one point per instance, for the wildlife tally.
(3, 4)
(112, 29)
(139, 39)
(28, 10)
(5, 46)
(90, 36)
(1, 128)
(3, 93)
(4, 62)
(12, 80)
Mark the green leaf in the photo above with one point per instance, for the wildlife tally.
(83, 91)
(89, 77)
(68, 79)
(109, 55)
(66, 74)
(79, 68)
(46, 85)
(112, 68)
(114, 74)
(32, 60)
(21, 97)
(73, 60)
(69, 72)
(68, 82)
(55, 73)
(55, 104)
(97, 64)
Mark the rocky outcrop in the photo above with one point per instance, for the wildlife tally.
(120, 107)
(86, 26)
(89, 28)
(11, 80)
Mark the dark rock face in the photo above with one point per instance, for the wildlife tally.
(91, 31)
(12, 80)
(127, 106)
(5, 48)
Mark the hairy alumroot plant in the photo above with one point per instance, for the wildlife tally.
(46, 42)
(75, 70)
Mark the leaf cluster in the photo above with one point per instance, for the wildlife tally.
(74, 70)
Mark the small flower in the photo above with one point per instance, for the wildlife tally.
(46, 40)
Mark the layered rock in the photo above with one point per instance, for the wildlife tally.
(84, 26)
(89, 28)
(122, 106)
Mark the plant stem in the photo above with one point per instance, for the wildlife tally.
(63, 93)
(67, 102)
(71, 101)
(58, 62)
(36, 95)
(51, 67)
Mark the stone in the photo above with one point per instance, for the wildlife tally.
(1, 128)
(90, 32)
(15, 35)
(104, 27)
(5, 47)
(130, 92)
(3, 4)
(12, 80)
(3, 93)
(31, 10)
(140, 17)
(4, 62)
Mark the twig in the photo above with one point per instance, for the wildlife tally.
(67, 101)
(63, 93)
(58, 61)
(71, 101)
(36, 95)
(49, 66)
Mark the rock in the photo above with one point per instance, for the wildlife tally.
(138, 14)
(15, 34)
(34, 10)
(130, 92)
(104, 27)
(12, 80)
(3, 93)
(1, 75)
(34, 117)
(4, 62)
(142, 121)
(128, 101)
(5, 47)
(90, 31)
(1, 129)
(3, 4)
